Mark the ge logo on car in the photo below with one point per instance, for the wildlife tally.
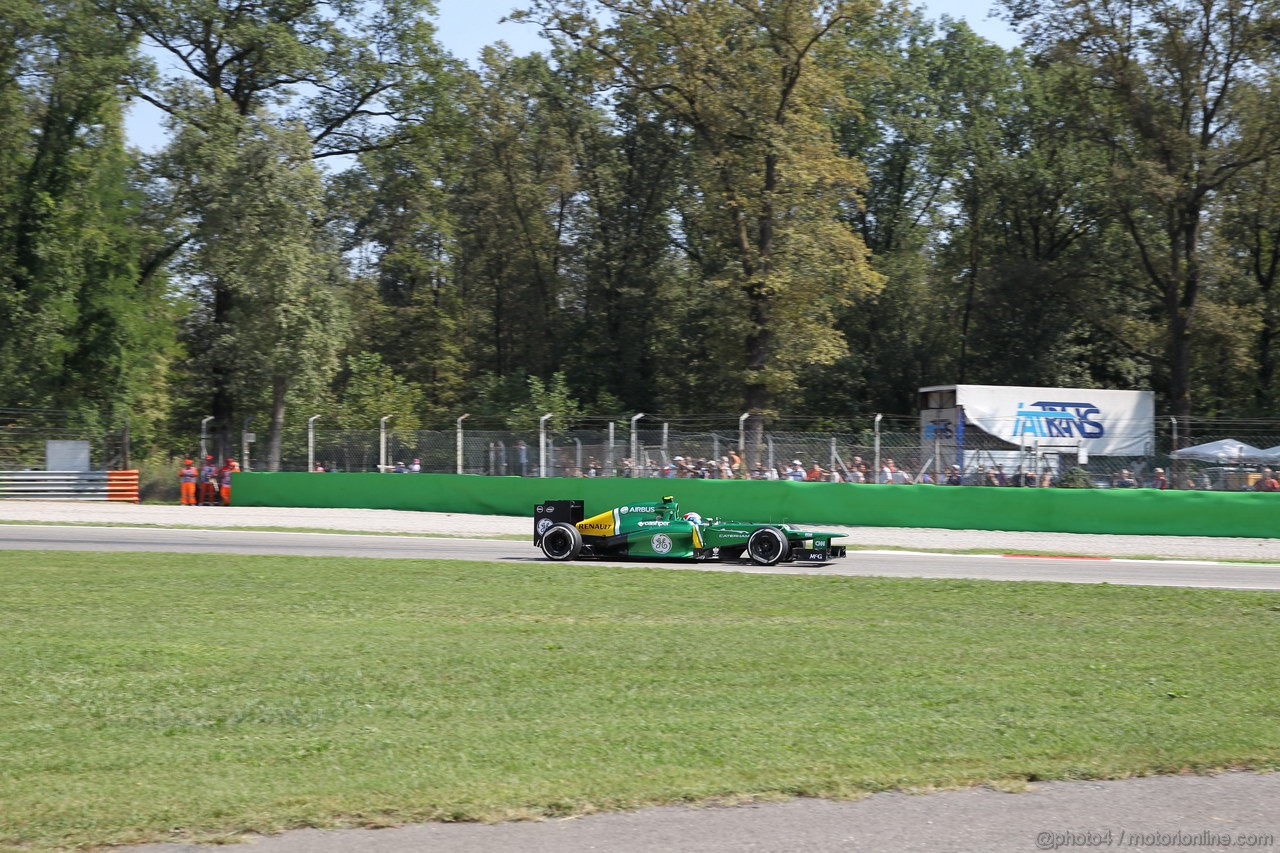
(543, 524)
(661, 543)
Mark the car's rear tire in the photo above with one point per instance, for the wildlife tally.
(768, 546)
(562, 542)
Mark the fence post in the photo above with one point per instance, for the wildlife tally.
(460, 420)
(875, 478)
(382, 443)
(608, 455)
(204, 436)
(125, 448)
(635, 459)
(244, 442)
(542, 444)
(311, 443)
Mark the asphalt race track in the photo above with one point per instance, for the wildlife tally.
(1174, 813)
(1183, 573)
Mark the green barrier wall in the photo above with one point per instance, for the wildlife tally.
(1129, 511)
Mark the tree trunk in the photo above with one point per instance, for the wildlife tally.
(971, 286)
(1266, 266)
(222, 405)
(1180, 368)
(278, 387)
(756, 396)
(1266, 359)
(1183, 291)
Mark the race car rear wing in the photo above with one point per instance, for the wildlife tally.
(548, 513)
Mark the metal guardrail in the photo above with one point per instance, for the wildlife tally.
(69, 486)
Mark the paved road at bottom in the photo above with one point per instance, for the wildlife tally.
(1230, 812)
(1188, 573)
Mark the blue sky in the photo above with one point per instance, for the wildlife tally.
(466, 26)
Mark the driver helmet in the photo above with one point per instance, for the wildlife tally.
(693, 517)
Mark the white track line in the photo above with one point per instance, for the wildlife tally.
(1145, 562)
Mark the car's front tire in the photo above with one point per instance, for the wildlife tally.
(562, 542)
(768, 546)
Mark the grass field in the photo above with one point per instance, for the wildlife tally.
(152, 696)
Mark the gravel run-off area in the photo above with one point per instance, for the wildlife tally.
(481, 526)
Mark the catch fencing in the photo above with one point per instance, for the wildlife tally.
(846, 456)
(25, 433)
(612, 448)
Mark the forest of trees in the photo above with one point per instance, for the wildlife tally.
(804, 208)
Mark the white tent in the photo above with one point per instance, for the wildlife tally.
(1226, 451)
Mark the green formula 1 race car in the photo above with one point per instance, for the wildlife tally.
(658, 530)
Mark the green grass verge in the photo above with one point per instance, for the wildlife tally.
(150, 696)
(519, 537)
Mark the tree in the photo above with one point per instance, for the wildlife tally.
(546, 398)
(918, 132)
(514, 207)
(1044, 268)
(1250, 237)
(630, 328)
(334, 78)
(370, 390)
(80, 325)
(392, 212)
(767, 184)
(1180, 96)
(258, 243)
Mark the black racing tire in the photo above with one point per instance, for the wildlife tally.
(562, 542)
(768, 546)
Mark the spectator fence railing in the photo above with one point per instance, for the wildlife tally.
(599, 453)
(602, 451)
